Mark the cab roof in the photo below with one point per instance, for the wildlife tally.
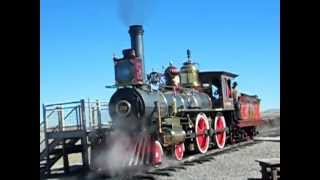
(208, 76)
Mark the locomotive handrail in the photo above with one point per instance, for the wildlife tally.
(201, 110)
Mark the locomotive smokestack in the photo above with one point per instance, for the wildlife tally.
(136, 35)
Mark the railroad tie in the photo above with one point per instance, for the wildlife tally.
(166, 169)
(160, 173)
(178, 167)
(144, 177)
(189, 163)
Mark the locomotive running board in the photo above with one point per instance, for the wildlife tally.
(203, 110)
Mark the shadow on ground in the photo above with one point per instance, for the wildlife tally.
(76, 172)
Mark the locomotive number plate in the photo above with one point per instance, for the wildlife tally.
(123, 107)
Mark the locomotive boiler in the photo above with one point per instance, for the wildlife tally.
(188, 111)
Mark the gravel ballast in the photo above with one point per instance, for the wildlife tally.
(234, 165)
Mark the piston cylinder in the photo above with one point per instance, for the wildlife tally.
(174, 136)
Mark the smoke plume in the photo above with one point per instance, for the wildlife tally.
(134, 11)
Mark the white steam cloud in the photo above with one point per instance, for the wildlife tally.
(123, 155)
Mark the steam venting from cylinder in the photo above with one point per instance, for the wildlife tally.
(136, 35)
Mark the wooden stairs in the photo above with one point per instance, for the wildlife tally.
(56, 149)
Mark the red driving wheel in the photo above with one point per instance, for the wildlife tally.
(219, 125)
(157, 153)
(201, 127)
(179, 151)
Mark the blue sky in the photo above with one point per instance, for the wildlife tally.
(79, 37)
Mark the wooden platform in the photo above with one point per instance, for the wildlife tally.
(270, 168)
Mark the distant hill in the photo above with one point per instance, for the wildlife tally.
(271, 113)
(271, 123)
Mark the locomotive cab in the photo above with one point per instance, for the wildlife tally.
(221, 82)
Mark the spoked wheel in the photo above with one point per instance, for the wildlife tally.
(178, 151)
(220, 137)
(202, 139)
(157, 153)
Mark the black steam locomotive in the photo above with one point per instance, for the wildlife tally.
(187, 111)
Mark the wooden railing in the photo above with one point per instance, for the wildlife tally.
(76, 115)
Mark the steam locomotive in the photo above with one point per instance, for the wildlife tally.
(181, 110)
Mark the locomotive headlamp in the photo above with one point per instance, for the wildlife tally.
(123, 107)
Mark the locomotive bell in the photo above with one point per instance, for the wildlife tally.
(189, 73)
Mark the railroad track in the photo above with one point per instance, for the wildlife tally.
(192, 160)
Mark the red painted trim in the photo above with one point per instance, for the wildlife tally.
(244, 111)
(137, 70)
